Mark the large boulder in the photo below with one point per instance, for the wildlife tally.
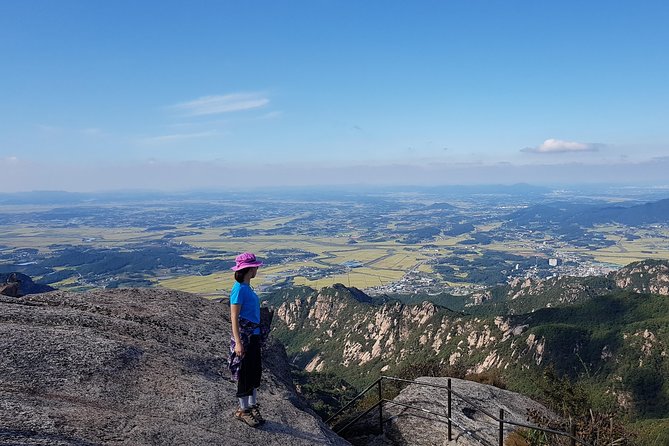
(135, 367)
(17, 284)
(470, 426)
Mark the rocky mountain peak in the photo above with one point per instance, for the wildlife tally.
(341, 291)
(135, 367)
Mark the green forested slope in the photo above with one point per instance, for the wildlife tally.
(597, 345)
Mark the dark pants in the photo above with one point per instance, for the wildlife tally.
(251, 368)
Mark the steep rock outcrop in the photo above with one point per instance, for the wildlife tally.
(329, 328)
(648, 276)
(361, 341)
(17, 284)
(134, 367)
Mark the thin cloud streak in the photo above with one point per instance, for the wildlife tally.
(49, 128)
(272, 115)
(213, 105)
(91, 131)
(176, 137)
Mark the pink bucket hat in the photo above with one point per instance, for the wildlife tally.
(246, 260)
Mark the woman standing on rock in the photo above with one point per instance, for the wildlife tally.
(245, 344)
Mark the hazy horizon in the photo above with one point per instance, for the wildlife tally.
(193, 176)
(588, 191)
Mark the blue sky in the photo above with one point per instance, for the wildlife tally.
(179, 95)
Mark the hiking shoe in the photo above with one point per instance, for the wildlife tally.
(255, 410)
(247, 417)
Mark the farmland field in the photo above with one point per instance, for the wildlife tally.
(390, 242)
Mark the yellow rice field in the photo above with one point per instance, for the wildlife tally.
(381, 262)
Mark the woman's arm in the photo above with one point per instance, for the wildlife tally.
(234, 318)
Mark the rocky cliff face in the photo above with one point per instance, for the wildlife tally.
(611, 334)
(649, 276)
(352, 334)
(532, 294)
(134, 367)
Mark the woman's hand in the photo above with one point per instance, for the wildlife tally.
(239, 349)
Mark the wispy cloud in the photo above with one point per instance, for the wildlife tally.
(162, 139)
(560, 146)
(9, 160)
(72, 131)
(213, 105)
(91, 131)
(272, 115)
(49, 128)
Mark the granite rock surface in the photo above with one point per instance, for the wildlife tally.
(426, 422)
(135, 367)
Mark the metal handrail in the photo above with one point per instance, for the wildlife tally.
(495, 418)
(500, 419)
(350, 423)
(464, 429)
(383, 400)
(354, 400)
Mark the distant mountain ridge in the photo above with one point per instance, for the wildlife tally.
(527, 295)
(588, 215)
(608, 331)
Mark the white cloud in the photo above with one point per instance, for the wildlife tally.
(213, 105)
(176, 137)
(559, 146)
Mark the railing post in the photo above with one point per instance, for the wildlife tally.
(450, 434)
(501, 427)
(572, 430)
(380, 406)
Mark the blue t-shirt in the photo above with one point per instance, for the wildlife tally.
(242, 294)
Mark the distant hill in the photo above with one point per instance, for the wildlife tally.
(459, 229)
(44, 197)
(520, 189)
(588, 215)
(648, 213)
(442, 206)
(73, 198)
